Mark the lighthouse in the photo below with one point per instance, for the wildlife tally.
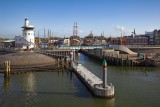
(28, 35)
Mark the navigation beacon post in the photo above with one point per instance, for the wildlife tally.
(104, 89)
(104, 73)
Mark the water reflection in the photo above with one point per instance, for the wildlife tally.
(31, 83)
(31, 90)
(7, 85)
(104, 102)
(145, 70)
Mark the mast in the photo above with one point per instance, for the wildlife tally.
(121, 38)
(75, 29)
(44, 33)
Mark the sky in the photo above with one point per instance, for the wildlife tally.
(110, 17)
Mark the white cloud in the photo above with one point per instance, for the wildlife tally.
(122, 29)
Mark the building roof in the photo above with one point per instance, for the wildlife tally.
(7, 41)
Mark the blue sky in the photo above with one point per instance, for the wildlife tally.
(108, 16)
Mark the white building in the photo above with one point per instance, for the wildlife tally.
(26, 41)
(67, 42)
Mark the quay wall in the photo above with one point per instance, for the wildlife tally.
(147, 51)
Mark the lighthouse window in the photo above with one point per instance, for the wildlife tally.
(25, 33)
(28, 33)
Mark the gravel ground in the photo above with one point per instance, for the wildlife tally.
(26, 58)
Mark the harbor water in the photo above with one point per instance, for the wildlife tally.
(134, 87)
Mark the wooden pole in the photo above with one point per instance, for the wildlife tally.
(58, 62)
(62, 62)
(117, 59)
(7, 69)
(122, 59)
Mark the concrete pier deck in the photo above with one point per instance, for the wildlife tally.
(94, 83)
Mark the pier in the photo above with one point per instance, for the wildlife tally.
(95, 84)
(98, 87)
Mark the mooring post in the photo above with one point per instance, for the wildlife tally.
(58, 62)
(117, 59)
(62, 62)
(74, 55)
(127, 63)
(67, 66)
(71, 59)
(122, 59)
(6, 68)
(104, 73)
(9, 69)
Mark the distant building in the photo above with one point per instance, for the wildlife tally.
(137, 40)
(1, 44)
(37, 41)
(100, 40)
(112, 41)
(75, 41)
(26, 41)
(66, 41)
(150, 36)
(10, 43)
(121, 40)
(88, 40)
(157, 37)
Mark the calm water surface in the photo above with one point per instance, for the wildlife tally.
(134, 87)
